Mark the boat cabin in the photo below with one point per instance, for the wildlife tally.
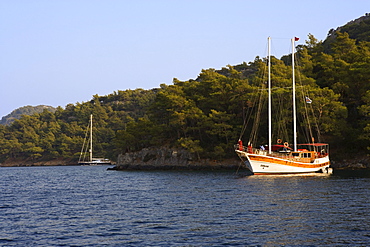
(320, 149)
(304, 155)
(310, 151)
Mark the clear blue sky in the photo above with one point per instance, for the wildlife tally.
(56, 52)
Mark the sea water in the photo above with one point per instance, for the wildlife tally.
(90, 206)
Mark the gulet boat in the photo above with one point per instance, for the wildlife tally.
(281, 157)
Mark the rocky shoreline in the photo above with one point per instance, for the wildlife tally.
(17, 162)
(173, 159)
(358, 163)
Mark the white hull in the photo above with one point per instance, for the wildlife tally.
(96, 162)
(88, 163)
(265, 164)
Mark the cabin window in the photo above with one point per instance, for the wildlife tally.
(306, 155)
(295, 154)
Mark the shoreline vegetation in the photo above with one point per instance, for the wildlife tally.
(172, 159)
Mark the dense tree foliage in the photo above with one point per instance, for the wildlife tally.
(206, 115)
(61, 134)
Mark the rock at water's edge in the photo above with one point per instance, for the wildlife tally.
(170, 159)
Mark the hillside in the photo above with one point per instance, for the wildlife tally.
(358, 29)
(24, 110)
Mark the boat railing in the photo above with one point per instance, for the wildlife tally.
(283, 155)
(243, 148)
(250, 149)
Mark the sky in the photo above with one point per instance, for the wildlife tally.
(58, 52)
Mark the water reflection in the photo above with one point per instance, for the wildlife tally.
(352, 173)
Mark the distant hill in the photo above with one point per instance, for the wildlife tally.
(25, 110)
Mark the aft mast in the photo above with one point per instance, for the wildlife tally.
(294, 101)
(269, 95)
(91, 139)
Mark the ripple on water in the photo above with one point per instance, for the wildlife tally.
(89, 206)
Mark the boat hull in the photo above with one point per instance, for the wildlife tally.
(264, 164)
(95, 162)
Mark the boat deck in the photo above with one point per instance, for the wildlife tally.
(303, 155)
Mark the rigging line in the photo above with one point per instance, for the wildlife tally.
(255, 128)
(237, 170)
(273, 38)
(262, 97)
(304, 94)
(248, 114)
(307, 118)
(282, 132)
(84, 148)
(276, 88)
(279, 51)
(305, 104)
(254, 99)
(310, 108)
(316, 125)
(245, 124)
(304, 125)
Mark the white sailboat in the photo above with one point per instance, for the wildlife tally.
(281, 158)
(86, 155)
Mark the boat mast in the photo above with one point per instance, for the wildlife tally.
(269, 94)
(91, 144)
(294, 101)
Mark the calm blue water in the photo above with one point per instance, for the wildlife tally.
(89, 206)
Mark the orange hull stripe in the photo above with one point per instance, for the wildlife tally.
(287, 162)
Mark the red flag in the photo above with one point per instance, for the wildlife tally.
(296, 38)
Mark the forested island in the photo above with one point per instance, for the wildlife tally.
(204, 116)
